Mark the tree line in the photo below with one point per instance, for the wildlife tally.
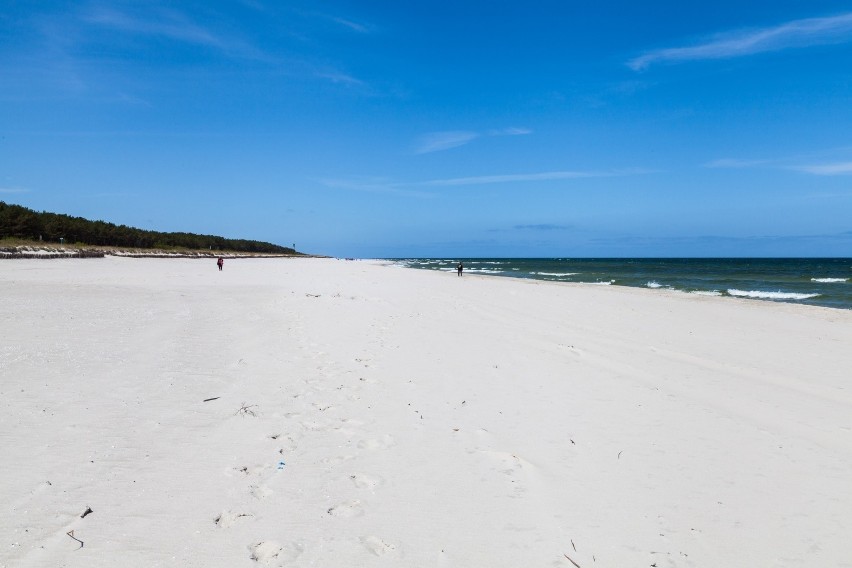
(22, 223)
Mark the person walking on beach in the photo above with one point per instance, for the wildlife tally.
(459, 268)
(220, 262)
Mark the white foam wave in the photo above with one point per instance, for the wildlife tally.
(654, 284)
(706, 293)
(554, 273)
(829, 280)
(770, 295)
(604, 282)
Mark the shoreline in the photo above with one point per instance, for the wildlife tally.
(421, 419)
(824, 282)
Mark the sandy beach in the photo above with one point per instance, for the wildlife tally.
(317, 412)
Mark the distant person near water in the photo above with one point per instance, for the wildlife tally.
(220, 262)
(460, 268)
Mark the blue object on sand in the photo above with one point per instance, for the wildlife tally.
(281, 464)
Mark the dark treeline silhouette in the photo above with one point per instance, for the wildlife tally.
(22, 223)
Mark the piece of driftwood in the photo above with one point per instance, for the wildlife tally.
(71, 534)
(209, 399)
(88, 511)
(570, 560)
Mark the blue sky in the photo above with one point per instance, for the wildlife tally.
(396, 129)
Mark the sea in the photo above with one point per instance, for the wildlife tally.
(814, 281)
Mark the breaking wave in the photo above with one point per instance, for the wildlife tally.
(554, 273)
(770, 295)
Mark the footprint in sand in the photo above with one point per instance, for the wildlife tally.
(381, 443)
(347, 509)
(251, 470)
(315, 426)
(377, 546)
(363, 481)
(349, 427)
(516, 469)
(229, 518)
(287, 443)
(260, 491)
(271, 553)
(336, 460)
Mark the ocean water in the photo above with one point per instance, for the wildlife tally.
(816, 281)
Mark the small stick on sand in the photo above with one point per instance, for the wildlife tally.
(71, 534)
(86, 512)
(209, 399)
(570, 560)
(572, 545)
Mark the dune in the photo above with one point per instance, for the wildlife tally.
(316, 412)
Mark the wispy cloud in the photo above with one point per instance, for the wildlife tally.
(735, 163)
(824, 162)
(797, 33)
(437, 141)
(13, 190)
(373, 185)
(113, 194)
(172, 25)
(340, 78)
(540, 176)
(175, 27)
(350, 24)
(354, 26)
(833, 169)
(512, 131)
(386, 185)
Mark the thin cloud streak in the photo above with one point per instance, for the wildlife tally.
(13, 190)
(437, 141)
(836, 169)
(174, 26)
(354, 26)
(541, 176)
(735, 163)
(385, 185)
(340, 78)
(377, 185)
(178, 30)
(510, 132)
(797, 33)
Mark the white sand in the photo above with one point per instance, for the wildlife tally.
(425, 420)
